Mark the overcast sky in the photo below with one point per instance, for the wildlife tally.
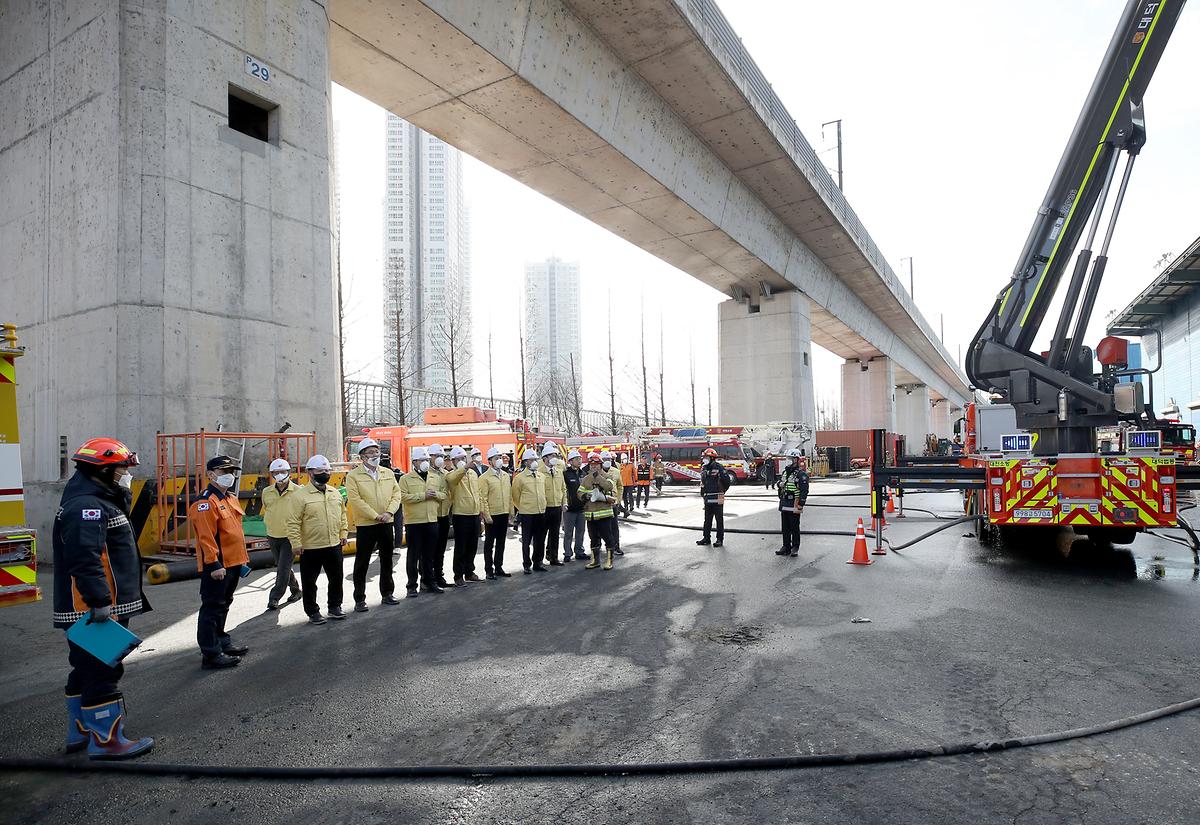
(954, 118)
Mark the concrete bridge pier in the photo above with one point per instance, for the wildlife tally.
(764, 372)
(869, 394)
(912, 416)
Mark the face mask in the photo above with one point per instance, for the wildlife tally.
(606, 464)
(460, 464)
(533, 465)
(553, 462)
(282, 477)
(439, 462)
(372, 461)
(423, 467)
(497, 463)
(320, 478)
(705, 461)
(125, 481)
(226, 480)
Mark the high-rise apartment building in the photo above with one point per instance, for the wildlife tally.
(552, 319)
(426, 261)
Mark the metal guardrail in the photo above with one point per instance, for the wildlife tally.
(728, 48)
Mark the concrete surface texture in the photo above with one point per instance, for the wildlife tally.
(680, 652)
(765, 369)
(869, 395)
(168, 272)
(913, 420)
(647, 117)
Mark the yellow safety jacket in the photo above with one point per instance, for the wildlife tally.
(496, 492)
(317, 519)
(276, 507)
(614, 473)
(556, 488)
(368, 497)
(602, 481)
(464, 492)
(445, 504)
(529, 493)
(417, 508)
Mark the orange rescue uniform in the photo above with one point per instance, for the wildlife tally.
(217, 522)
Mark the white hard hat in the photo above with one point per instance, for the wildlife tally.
(605, 454)
(367, 442)
(279, 465)
(573, 454)
(529, 454)
(318, 462)
(476, 451)
(436, 449)
(793, 453)
(493, 453)
(624, 456)
(419, 453)
(549, 449)
(458, 452)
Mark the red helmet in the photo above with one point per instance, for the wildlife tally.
(593, 456)
(105, 452)
(709, 453)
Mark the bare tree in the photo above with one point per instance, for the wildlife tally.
(521, 346)
(406, 339)
(645, 381)
(612, 390)
(662, 396)
(575, 397)
(452, 346)
(491, 389)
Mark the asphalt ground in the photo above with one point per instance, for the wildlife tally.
(679, 653)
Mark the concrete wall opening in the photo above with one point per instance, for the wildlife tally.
(253, 116)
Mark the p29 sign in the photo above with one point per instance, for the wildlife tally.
(256, 68)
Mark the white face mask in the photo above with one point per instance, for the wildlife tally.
(705, 460)
(125, 481)
(282, 477)
(553, 462)
(423, 467)
(439, 462)
(460, 464)
(606, 464)
(226, 480)
(371, 460)
(497, 463)
(532, 465)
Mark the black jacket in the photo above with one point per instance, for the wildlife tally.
(572, 477)
(793, 487)
(96, 560)
(714, 481)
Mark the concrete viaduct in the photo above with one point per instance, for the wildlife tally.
(168, 271)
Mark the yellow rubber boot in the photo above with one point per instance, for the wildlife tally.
(594, 562)
(608, 560)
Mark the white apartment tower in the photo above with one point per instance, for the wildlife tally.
(426, 261)
(552, 324)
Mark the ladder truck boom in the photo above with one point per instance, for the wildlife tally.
(1055, 394)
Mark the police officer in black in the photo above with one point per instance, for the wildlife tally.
(97, 575)
(793, 492)
(714, 481)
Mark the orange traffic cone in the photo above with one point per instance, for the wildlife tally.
(860, 547)
(891, 505)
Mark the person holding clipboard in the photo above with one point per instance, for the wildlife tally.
(97, 579)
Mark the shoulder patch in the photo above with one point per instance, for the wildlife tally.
(202, 506)
(90, 515)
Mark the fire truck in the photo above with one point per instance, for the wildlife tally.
(18, 542)
(681, 456)
(1047, 471)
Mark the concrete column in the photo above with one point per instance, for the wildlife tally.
(167, 272)
(869, 395)
(764, 372)
(912, 416)
(941, 424)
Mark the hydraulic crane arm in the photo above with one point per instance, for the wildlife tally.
(1058, 389)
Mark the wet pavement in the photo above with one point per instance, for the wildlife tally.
(680, 653)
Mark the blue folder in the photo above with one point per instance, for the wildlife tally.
(109, 641)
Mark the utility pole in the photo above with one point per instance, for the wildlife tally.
(491, 390)
(575, 395)
(342, 346)
(645, 383)
(910, 277)
(612, 387)
(942, 318)
(692, 363)
(400, 372)
(839, 147)
(710, 406)
(662, 396)
(521, 343)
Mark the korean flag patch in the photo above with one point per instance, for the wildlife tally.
(90, 515)
(202, 506)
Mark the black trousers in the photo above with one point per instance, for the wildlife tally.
(439, 554)
(789, 522)
(466, 543)
(553, 530)
(493, 543)
(215, 599)
(90, 679)
(602, 529)
(641, 494)
(418, 556)
(312, 563)
(533, 531)
(658, 483)
(714, 511)
(627, 499)
(369, 539)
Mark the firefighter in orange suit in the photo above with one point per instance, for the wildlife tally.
(221, 557)
(97, 574)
